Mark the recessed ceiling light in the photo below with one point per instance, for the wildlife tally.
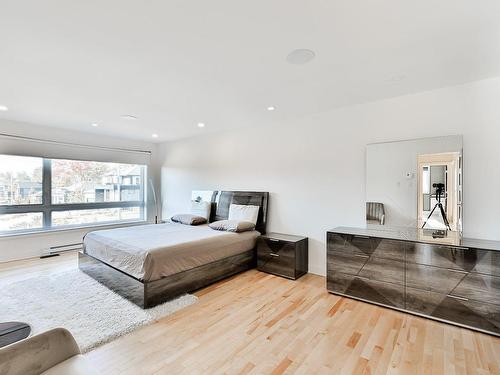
(154, 135)
(201, 125)
(271, 108)
(4, 108)
(300, 56)
(95, 124)
(128, 117)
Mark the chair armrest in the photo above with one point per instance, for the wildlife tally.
(39, 353)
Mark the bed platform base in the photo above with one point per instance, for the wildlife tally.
(152, 293)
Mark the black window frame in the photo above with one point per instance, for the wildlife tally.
(46, 207)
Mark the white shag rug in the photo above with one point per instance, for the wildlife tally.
(73, 300)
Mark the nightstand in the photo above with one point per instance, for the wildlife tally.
(283, 255)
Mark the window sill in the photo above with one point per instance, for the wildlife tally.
(109, 225)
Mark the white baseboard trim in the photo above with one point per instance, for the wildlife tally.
(317, 270)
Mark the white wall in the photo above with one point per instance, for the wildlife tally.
(32, 245)
(314, 167)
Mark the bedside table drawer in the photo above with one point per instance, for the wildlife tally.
(276, 264)
(276, 257)
(271, 245)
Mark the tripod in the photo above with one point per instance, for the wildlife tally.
(439, 191)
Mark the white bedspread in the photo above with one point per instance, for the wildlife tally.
(150, 252)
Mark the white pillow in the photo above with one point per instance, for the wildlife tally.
(201, 209)
(242, 212)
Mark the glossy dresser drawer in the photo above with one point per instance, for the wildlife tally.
(439, 280)
(349, 244)
(488, 262)
(443, 256)
(479, 287)
(380, 292)
(337, 261)
(362, 245)
(453, 308)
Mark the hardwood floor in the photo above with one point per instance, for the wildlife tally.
(255, 323)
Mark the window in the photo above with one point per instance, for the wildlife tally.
(100, 215)
(20, 180)
(30, 220)
(37, 194)
(89, 182)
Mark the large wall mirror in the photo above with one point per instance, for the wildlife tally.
(416, 183)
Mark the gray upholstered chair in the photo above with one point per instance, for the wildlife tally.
(375, 213)
(54, 352)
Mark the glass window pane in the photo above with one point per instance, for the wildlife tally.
(20, 180)
(89, 181)
(10, 222)
(101, 215)
(426, 180)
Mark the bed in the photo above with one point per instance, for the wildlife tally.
(150, 264)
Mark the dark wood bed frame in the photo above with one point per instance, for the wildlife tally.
(147, 294)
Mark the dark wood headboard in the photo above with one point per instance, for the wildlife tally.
(254, 198)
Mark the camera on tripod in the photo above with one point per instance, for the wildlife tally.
(439, 188)
(440, 191)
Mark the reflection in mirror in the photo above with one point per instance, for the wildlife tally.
(415, 183)
(203, 203)
(203, 195)
(438, 191)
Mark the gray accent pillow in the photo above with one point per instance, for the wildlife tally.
(232, 225)
(189, 219)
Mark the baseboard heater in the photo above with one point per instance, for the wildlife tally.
(55, 251)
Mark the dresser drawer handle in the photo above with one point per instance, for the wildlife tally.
(457, 297)
(274, 255)
(454, 248)
(273, 240)
(361, 256)
(361, 277)
(457, 271)
(362, 237)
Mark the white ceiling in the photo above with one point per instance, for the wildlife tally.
(69, 63)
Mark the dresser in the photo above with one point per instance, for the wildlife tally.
(451, 279)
